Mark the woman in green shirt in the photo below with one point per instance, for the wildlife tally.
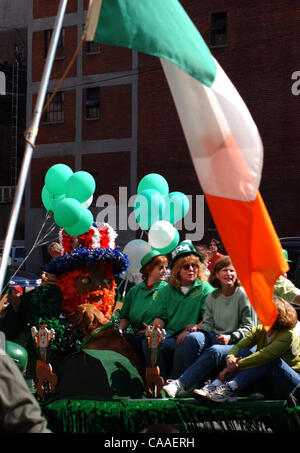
(139, 306)
(275, 366)
(181, 303)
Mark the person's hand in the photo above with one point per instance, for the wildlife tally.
(192, 328)
(223, 339)
(181, 337)
(232, 363)
(120, 331)
(223, 375)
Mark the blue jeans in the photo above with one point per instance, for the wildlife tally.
(190, 350)
(212, 359)
(275, 379)
(174, 359)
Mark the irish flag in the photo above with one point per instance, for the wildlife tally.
(222, 138)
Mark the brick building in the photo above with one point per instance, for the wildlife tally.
(114, 116)
(13, 60)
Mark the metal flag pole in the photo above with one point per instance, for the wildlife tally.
(30, 138)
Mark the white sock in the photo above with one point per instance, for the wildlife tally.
(233, 385)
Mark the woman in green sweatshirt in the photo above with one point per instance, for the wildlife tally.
(273, 368)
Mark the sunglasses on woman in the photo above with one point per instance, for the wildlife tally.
(187, 266)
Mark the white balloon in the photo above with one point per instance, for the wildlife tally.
(88, 202)
(161, 234)
(136, 250)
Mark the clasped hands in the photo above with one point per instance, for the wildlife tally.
(231, 366)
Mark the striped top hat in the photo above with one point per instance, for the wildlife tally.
(97, 245)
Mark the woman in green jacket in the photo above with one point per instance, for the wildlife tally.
(180, 304)
(139, 305)
(273, 369)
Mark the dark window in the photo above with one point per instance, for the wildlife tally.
(92, 106)
(55, 111)
(92, 47)
(218, 36)
(60, 44)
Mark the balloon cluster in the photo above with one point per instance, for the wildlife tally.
(157, 211)
(68, 195)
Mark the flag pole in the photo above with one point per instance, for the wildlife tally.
(30, 138)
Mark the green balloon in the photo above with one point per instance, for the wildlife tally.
(81, 185)
(17, 353)
(67, 212)
(57, 177)
(149, 207)
(153, 181)
(57, 199)
(81, 227)
(177, 206)
(47, 199)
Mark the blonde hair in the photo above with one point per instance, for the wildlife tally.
(174, 279)
(54, 247)
(224, 261)
(286, 314)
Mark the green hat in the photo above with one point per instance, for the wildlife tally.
(148, 257)
(286, 256)
(185, 248)
(17, 353)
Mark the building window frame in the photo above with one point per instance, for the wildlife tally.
(60, 49)
(218, 29)
(55, 111)
(93, 48)
(92, 103)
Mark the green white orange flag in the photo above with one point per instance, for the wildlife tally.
(222, 138)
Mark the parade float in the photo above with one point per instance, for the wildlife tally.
(85, 375)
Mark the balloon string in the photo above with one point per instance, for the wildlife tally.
(125, 287)
(35, 244)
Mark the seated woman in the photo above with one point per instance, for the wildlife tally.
(273, 369)
(139, 308)
(228, 317)
(180, 303)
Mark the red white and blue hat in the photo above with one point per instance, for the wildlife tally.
(97, 245)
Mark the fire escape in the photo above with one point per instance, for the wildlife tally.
(13, 158)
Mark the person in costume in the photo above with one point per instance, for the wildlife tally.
(273, 369)
(139, 306)
(84, 273)
(214, 249)
(228, 317)
(179, 304)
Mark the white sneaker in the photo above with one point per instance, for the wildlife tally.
(205, 390)
(222, 393)
(172, 388)
(185, 393)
